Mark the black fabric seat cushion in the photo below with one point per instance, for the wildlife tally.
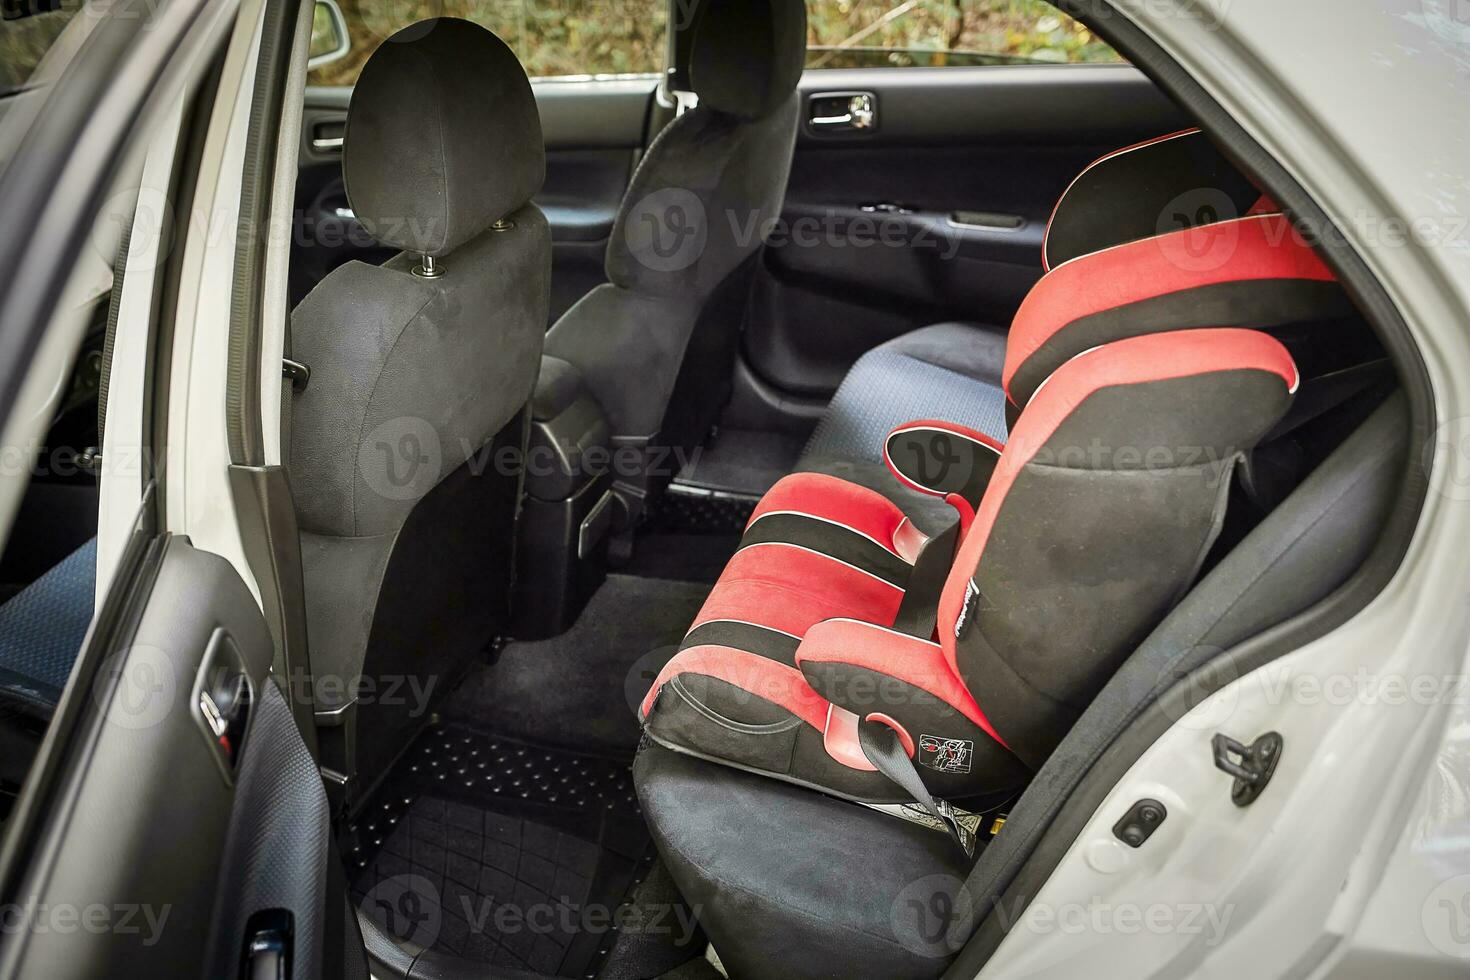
(792, 883)
(949, 371)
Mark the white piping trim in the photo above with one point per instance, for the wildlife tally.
(1101, 251)
(885, 629)
(784, 544)
(824, 520)
(1069, 360)
(1291, 390)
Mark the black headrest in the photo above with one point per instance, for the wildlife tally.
(1161, 185)
(443, 137)
(747, 55)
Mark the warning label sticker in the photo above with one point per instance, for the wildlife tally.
(945, 754)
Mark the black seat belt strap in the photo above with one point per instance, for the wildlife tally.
(919, 608)
(883, 749)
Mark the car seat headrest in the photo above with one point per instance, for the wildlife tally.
(1160, 185)
(747, 55)
(443, 138)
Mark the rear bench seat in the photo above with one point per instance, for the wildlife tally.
(848, 649)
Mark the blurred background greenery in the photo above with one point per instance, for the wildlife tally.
(23, 41)
(595, 37)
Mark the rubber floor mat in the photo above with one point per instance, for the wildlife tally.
(502, 852)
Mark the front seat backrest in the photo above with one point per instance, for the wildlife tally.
(405, 442)
(657, 342)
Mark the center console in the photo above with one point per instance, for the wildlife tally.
(569, 504)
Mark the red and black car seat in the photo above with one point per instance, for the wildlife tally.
(1138, 376)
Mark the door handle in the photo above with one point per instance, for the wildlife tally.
(853, 112)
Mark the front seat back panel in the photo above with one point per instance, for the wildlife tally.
(407, 441)
(657, 343)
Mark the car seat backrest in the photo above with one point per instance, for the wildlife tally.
(1109, 494)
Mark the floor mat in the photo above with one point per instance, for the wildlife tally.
(683, 556)
(580, 690)
(502, 852)
(742, 460)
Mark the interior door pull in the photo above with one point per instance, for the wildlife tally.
(843, 112)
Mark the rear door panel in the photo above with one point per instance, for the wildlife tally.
(157, 841)
(935, 214)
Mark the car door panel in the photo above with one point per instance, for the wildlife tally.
(173, 834)
(937, 212)
(593, 131)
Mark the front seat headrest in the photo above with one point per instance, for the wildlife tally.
(747, 55)
(443, 138)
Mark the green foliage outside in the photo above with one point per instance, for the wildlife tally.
(589, 37)
(551, 37)
(945, 32)
(24, 41)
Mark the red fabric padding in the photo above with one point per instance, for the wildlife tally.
(777, 683)
(840, 739)
(1242, 250)
(1106, 156)
(1137, 360)
(790, 590)
(964, 432)
(916, 662)
(830, 498)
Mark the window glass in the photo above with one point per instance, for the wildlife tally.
(935, 33)
(25, 39)
(551, 37)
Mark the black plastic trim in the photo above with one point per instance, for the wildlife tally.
(937, 106)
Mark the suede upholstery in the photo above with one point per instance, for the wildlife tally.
(747, 55)
(946, 370)
(687, 235)
(443, 137)
(446, 361)
(736, 173)
(407, 444)
(411, 377)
